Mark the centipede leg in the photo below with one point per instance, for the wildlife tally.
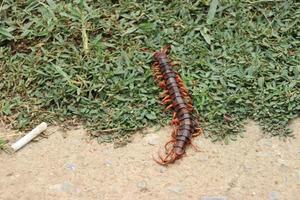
(175, 122)
(178, 79)
(168, 108)
(160, 159)
(174, 63)
(172, 141)
(162, 85)
(184, 93)
(174, 114)
(166, 101)
(167, 97)
(183, 89)
(174, 133)
(170, 157)
(164, 94)
(159, 76)
(165, 49)
(198, 131)
(190, 107)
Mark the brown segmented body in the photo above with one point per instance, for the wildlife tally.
(177, 96)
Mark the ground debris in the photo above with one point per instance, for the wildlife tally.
(175, 188)
(274, 195)
(152, 139)
(108, 163)
(142, 185)
(70, 166)
(65, 187)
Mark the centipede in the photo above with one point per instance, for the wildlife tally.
(177, 99)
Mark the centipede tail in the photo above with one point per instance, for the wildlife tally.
(176, 97)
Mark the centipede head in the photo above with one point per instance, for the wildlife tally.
(165, 49)
(159, 55)
(162, 53)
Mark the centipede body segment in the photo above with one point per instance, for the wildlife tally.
(176, 98)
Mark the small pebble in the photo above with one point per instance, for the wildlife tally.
(175, 188)
(152, 139)
(274, 195)
(71, 166)
(162, 169)
(108, 163)
(65, 187)
(203, 158)
(283, 162)
(142, 185)
(213, 198)
(10, 174)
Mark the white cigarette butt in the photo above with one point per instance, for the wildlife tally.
(29, 136)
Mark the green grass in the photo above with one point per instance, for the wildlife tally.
(87, 61)
(2, 143)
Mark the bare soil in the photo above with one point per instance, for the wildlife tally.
(67, 165)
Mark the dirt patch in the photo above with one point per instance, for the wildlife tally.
(67, 165)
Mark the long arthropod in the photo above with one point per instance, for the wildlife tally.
(177, 98)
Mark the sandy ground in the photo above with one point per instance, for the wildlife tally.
(68, 166)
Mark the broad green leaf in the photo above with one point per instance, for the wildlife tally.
(207, 37)
(6, 33)
(212, 11)
(130, 30)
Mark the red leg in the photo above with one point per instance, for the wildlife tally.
(162, 85)
(164, 94)
(165, 49)
(174, 115)
(166, 98)
(198, 131)
(175, 122)
(168, 143)
(174, 133)
(166, 101)
(174, 63)
(168, 108)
